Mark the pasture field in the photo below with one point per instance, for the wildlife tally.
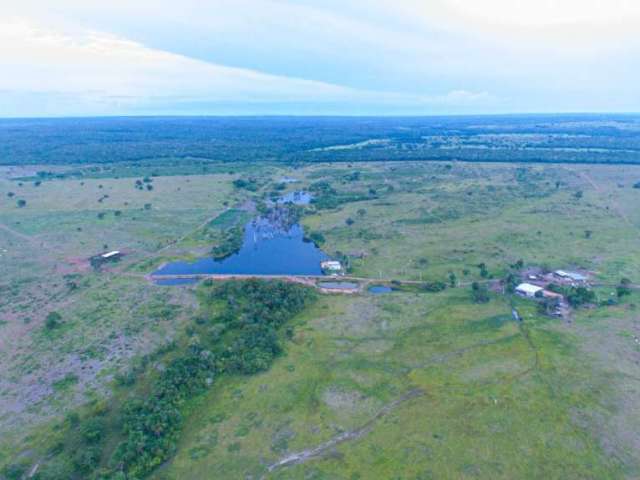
(410, 384)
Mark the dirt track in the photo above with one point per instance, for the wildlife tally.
(350, 435)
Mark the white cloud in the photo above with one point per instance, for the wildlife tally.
(444, 55)
(81, 71)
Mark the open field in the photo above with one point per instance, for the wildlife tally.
(404, 385)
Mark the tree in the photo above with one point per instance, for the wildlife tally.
(479, 293)
(580, 295)
(636, 185)
(21, 203)
(53, 320)
(587, 234)
(484, 273)
(11, 194)
(453, 281)
(624, 288)
(317, 238)
(362, 212)
(578, 195)
(349, 221)
(510, 283)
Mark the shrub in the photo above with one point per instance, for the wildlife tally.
(624, 288)
(479, 293)
(53, 320)
(580, 295)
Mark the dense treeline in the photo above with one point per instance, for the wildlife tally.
(238, 332)
(526, 138)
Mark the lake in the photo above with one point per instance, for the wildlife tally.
(267, 249)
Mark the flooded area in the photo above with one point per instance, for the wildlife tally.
(267, 249)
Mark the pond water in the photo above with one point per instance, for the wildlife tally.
(267, 249)
(338, 285)
(379, 289)
(297, 198)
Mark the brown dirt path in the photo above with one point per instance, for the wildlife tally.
(351, 435)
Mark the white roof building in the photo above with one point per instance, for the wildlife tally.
(578, 277)
(331, 265)
(110, 254)
(528, 290)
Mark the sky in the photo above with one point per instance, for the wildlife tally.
(311, 57)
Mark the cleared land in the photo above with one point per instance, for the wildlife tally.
(403, 385)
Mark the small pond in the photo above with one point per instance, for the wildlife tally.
(267, 249)
(338, 285)
(379, 289)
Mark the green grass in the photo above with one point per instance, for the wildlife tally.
(489, 408)
(547, 400)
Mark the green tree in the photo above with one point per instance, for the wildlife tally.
(484, 273)
(53, 320)
(479, 293)
(21, 203)
(624, 288)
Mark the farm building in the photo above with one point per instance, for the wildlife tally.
(111, 255)
(576, 277)
(528, 290)
(331, 265)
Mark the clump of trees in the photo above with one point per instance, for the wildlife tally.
(316, 237)
(239, 331)
(231, 242)
(250, 184)
(578, 296)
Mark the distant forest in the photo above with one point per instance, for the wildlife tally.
(518, 138)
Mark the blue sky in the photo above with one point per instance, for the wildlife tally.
(402, 57)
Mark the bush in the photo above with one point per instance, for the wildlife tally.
(53, 320)
(580, 296)
(434, 286)
(624, 288)
(479, 293)
(14, 471)
(93, 430)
